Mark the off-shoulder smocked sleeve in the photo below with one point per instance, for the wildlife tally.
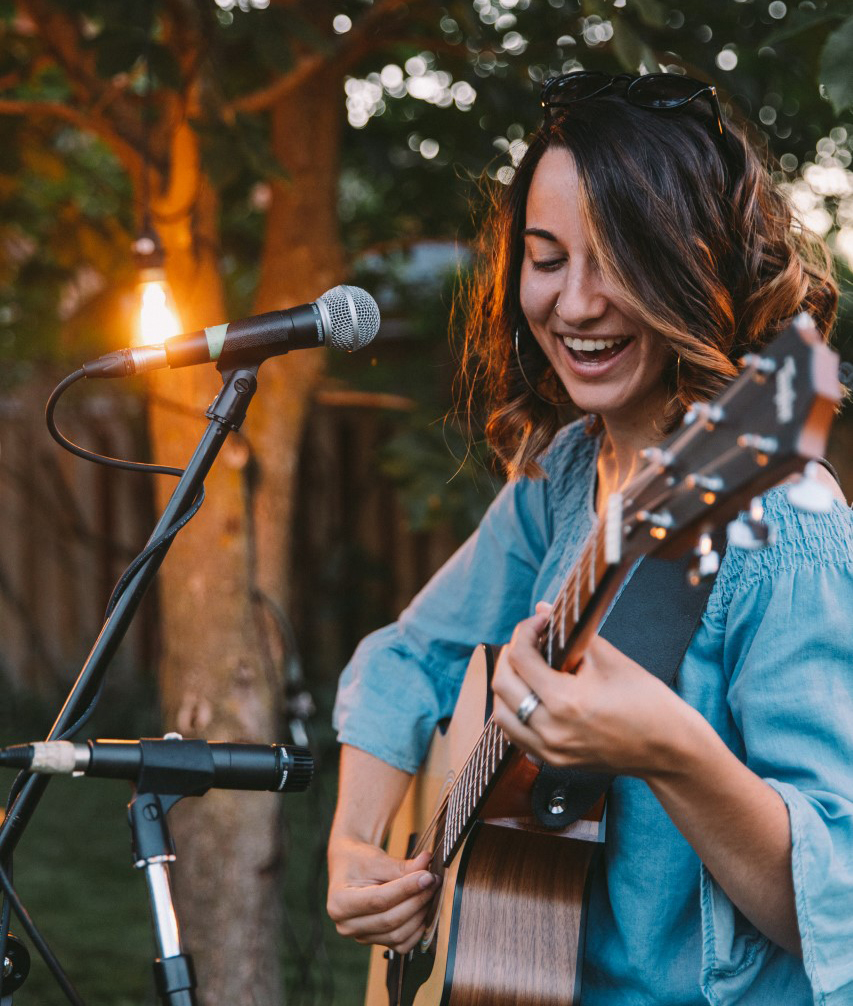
(406, 677)
(788, 658)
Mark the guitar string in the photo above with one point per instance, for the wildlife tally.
(464, 779)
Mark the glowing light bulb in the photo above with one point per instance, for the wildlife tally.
(158, 317)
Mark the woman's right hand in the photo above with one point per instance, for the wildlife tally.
(375, 898)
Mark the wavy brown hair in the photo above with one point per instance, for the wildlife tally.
(687, 228)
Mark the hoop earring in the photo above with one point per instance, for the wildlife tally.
(548, 401)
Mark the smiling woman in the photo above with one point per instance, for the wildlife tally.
(609, 362)
(684, 228)
(638, 253)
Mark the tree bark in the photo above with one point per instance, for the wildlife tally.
(220, 676)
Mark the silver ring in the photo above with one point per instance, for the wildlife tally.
(528, 704)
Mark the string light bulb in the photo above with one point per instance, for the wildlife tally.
(157, 318)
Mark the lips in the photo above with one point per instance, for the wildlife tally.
(597, 350)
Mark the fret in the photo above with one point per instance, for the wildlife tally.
(592, 571)
(481, 757)
(457, 799)
(551, 641)
(465, 802)
(562, 626)
(577, 611)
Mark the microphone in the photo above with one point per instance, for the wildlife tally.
(345, 317)
(174, 761)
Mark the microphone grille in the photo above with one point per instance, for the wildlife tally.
(354, 317)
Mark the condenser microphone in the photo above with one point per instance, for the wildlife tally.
(275, 767)
(345, 317)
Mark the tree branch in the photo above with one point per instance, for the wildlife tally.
(365, 35)
(60, 34)
(80, 118)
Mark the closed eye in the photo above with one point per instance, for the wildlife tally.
(547, 265)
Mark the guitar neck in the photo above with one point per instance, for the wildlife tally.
(577, 612)
(581, 603)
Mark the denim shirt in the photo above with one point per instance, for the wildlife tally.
(771, 669)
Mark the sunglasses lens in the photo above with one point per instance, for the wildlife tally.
(573, 87)
(664, 90)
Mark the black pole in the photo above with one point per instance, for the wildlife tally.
(226, 414)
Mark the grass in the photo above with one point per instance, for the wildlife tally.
(74, 874)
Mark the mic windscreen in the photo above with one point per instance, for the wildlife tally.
(354, 317)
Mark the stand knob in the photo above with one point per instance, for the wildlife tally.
(16, 966)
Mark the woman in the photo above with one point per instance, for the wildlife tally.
(639, 251)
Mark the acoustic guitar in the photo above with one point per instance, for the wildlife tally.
(507, 924)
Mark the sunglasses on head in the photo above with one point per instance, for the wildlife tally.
(659, 92)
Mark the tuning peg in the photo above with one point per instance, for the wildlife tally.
(707, 412)
(752, 532)
(705, 562)
(808, 494)
(760, 364)
(657, 456)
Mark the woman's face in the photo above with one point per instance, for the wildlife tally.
(610, 363)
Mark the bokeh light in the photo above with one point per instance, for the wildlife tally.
(366, 96)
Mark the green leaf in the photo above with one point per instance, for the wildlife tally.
(800, 21)
(652, 13)
(630, 50)
(836, 67)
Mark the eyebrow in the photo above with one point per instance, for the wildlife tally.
(538, 232)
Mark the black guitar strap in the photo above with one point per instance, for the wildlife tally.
(652, 622)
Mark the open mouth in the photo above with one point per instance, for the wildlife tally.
(596, 350)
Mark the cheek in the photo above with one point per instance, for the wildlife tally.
(534, 296)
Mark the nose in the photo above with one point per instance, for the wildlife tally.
(582, 300)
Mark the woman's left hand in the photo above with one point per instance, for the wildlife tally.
(611, 715)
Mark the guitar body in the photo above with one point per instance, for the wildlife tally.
(507, 925)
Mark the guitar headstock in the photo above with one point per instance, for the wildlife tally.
(768, 422)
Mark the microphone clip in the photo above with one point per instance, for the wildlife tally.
(239, 385)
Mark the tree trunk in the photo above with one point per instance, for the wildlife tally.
(220, 670)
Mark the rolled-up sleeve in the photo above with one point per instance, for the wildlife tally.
(789, 661)
(405, 678)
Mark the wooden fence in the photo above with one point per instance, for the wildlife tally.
(69, 528)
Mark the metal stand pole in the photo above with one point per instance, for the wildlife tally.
(153, 851)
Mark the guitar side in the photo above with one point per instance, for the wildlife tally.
(510, 918)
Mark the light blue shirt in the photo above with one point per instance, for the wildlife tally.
(771, 669)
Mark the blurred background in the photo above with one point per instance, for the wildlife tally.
(171, 164)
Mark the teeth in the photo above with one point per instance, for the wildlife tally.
(588, 345)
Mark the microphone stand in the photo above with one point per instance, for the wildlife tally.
(153, 851)
(163, 780)
(226, 414)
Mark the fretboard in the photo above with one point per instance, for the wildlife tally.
(492, 751)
